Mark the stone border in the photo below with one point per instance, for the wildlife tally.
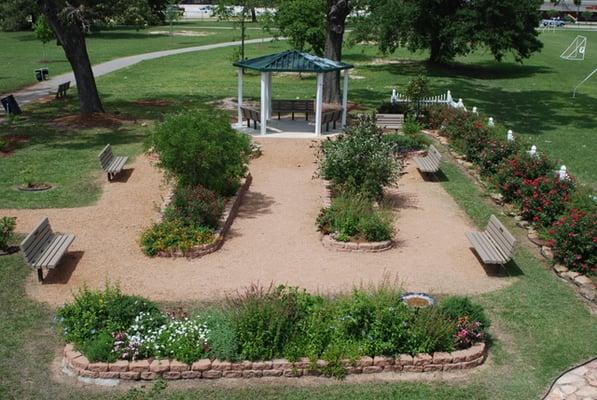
(75, 363)
(226, 219)
(586, 288)
(329, 242)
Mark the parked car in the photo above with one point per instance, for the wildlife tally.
(553, 22)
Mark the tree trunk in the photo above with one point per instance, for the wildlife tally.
(435, 55)
(253, 15)
(71, 37)
(336, 13)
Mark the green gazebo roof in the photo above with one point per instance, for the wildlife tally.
(292, 61)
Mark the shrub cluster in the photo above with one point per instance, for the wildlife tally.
(206, 158)
(264, 323)
(352, 217)
(7, 227)
(530, 182)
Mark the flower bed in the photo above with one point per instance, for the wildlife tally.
(113, 335)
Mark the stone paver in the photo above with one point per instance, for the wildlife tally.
(580, 383)
(42, 89)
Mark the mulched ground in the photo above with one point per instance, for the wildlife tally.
(91, 120)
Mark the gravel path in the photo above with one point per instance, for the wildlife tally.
(578, 384)
(42, 89)
(272, 239)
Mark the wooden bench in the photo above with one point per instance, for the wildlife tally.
(389, 121)
(330, 117)
(293, 106)
(429, 163)
(43, 248)
(110, 164)
(251, 114)
(62, 89)
(495, 245)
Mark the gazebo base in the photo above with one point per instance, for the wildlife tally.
(286, 127)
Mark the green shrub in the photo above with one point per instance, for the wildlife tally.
(195, 206)
(99, 348)
(352, 217)
(411, 126)
(201, 148)
(359, 160)
(456, 307)
(406, 143)
(222, 341)
(172, 235)
(266, 319)
(3, 143)
(494, 154)
(574, 241)
(93, 312)
(7, 227)
(392, 108)
(430, 331)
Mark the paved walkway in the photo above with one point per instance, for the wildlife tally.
(39, 90)
(578, 384)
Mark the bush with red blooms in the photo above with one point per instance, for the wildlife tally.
(494, 153)
(574, 241)
(544, 199)
(510, 176)
(468, 333)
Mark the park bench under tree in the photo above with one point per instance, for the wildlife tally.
(62, 89)
(495, 245)
(251, 114)
(389, 121)
(43, 248)
(430, 163)
(110, 164)
(293, 106)
(330, 117)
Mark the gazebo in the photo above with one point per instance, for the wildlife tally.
(291, 61)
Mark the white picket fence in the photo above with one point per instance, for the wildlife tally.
(445, 99)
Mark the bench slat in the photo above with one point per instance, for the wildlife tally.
(60, 245)
(49, 250)
(485, 248)
(495, 245)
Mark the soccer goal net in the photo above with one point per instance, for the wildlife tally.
(576, 50)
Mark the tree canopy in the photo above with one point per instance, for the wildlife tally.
(448, 28)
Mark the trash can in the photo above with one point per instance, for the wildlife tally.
(45, 73)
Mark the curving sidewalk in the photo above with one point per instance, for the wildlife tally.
(39, 90)
(577, 384)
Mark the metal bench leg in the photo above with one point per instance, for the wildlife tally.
(278, 115)
(293, 116)
(248, 123)
(306, 116)
(40, 275)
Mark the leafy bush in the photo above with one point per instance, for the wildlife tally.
(7, 227)
(3, 143)
(456, 307)
(99, 348)
(430, 331)
(494, 153)
(438, 115)
(544, 199)
(195, 206)
(411, 126)
(468, 332)
(95, 312)
(171, 235)
(359, 160)
(510, 176)
(222, 341)
(406, 143)
(352, 217)
(201, 148)
(574, 241)
(266, 319)
(392, 108)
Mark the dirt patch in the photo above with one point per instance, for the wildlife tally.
(91, 120)
(12, 143)
(153, 102)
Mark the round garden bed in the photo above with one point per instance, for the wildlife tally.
(357, 247)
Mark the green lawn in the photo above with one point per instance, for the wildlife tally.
(22, 52)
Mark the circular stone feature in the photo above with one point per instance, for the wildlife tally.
(35, 187)
(418, 300)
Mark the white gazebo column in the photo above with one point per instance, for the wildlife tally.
(269, 95)
(263, 102)
(240, 97)
(319, 104)
(345, 99)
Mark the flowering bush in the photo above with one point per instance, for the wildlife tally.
(195, 206)
(467, 333)
(174, 235)
(359, 160)
(575, 241)
(494, 153)
(510, 176)
(544, 199)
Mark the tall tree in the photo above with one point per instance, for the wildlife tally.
(44, 33)
(302, 22)
(240, 12)
(15, 14)
(68, 21)
(336, 13)
(448, 28)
